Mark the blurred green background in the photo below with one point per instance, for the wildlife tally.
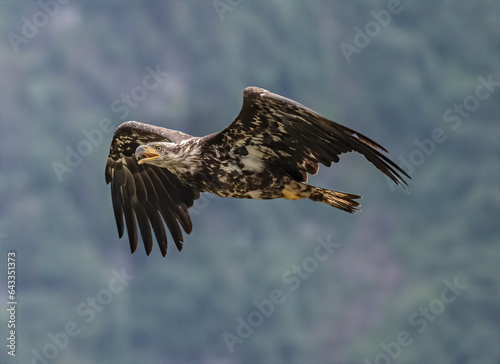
(401, 73)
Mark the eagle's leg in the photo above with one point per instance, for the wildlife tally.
(340, 200)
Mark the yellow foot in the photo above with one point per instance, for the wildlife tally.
(291, 194)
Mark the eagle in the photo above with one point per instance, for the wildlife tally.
(267, 152)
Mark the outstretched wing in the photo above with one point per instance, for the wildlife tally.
(295, 138)
(146, 195)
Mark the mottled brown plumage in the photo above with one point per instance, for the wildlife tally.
(266, 152)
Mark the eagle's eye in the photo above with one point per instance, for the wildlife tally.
(158, 148)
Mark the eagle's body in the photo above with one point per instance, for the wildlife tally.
(157, 173)
(240, 172)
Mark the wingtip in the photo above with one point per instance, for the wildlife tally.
(162, 243)
(253, 90)
(404, 187)
(133, 248)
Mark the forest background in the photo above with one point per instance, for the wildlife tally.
(412, 278)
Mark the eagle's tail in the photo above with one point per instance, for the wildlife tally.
(341, 200)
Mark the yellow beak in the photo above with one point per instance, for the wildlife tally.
(144, 154)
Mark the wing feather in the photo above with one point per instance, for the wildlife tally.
(144, 227)
(158, 227)
(129, 219)
(117, 206)
(147, 197)
(303, 137)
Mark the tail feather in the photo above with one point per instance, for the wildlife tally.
(341, 200)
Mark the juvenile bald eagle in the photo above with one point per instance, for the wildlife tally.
(157, 173)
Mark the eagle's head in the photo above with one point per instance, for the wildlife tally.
(169, 155)
(155, 153)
